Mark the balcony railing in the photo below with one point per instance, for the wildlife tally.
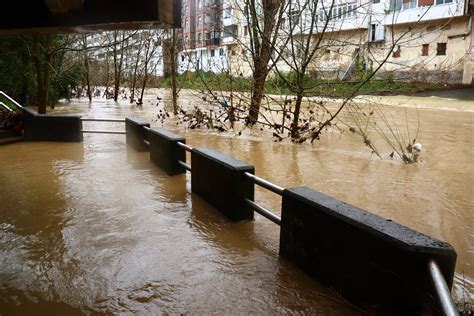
(213, 41)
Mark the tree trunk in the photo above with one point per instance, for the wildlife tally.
(296, 115)
(174, 85)
(42, 72)
(118, 65)
(135, 70)
(134, 78)
(145, 79)
(257, 95)
(86, 68)
(107, 75)
(88, 82)
(261, 56)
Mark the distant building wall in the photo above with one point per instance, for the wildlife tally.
(435, 40)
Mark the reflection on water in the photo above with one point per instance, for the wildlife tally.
(94, 227)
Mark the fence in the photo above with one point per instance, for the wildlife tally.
(368, 259)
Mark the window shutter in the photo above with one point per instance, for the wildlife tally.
(424, 2)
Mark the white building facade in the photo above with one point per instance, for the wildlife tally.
(422, 40)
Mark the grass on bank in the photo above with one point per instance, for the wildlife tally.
(315, 87)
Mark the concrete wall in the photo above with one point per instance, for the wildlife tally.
(339, 50)
(219, 179)
(136, 134)
(38, 127)
(372, 261)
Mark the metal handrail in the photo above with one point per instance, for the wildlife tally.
(442, 290)
(269, 186)
(185, 165)
(185, 147)
(5, 106)
(263, 211)
(102, 120)
(264, 183)
(12, 100)
(102, 132)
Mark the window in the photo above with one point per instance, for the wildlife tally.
(372, 32)
(199, 38)
(227, 13)
(409, 4)
(443, 1)
(212, 53)
(246, 30)
(375, 1)
(441, 49)
(397, 53)
(347, 10)
(199, 21)
(294, 17)
(231, 30)
(221, 52)
(422, 3)
(425, 49)
(395, 5)
(182, 57)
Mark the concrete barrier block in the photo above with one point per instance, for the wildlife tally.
(136, 134)
(368, 259)
(60, 128)
(165, 151)
(220, 180)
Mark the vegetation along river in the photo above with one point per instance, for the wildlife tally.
(94, 227)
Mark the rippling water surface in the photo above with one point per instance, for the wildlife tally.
(94, 227)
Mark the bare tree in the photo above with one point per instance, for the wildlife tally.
(139, 46)
(264, 19)
(171, 56)
(118, 47)
(86, 66)
(150, 52)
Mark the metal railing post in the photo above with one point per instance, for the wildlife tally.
(442, 290)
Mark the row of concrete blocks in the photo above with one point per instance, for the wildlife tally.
(370, 260)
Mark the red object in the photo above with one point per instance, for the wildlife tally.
(18, 126)
(425, 2)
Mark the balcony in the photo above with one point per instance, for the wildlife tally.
(213, 5)
(213, 41)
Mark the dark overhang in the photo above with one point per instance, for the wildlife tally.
(66, 16)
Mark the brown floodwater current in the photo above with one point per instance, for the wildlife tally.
(95, 227)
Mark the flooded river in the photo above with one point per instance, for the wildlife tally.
(94, 227)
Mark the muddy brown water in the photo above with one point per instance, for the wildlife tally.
(94, 227)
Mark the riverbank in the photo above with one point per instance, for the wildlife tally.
(316, 87)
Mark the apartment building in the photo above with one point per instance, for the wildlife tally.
(200, 43)
(425, 40)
